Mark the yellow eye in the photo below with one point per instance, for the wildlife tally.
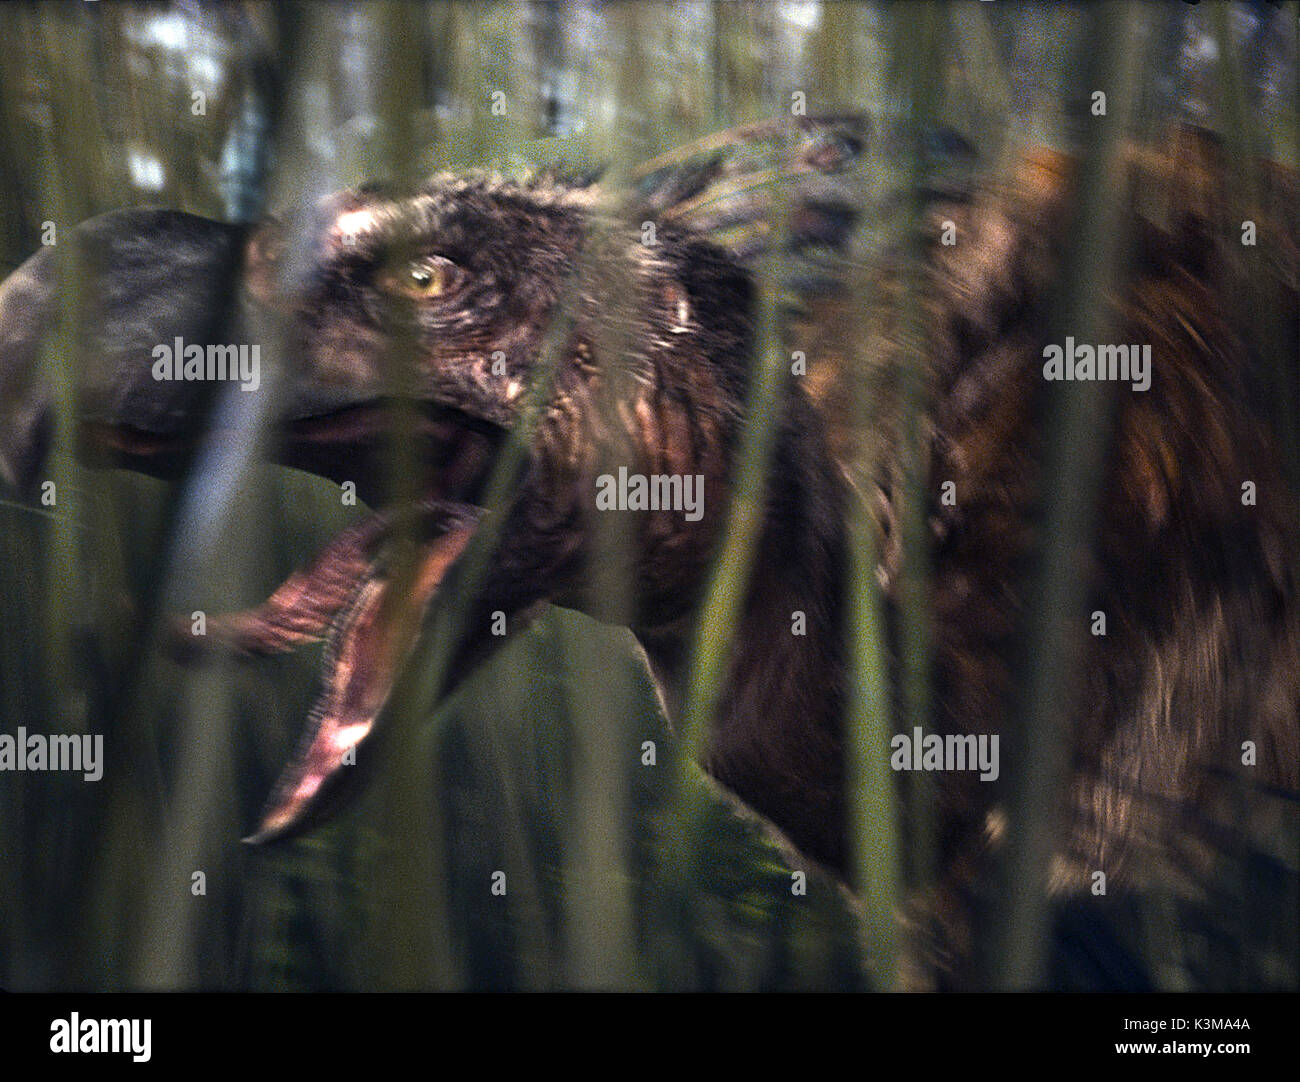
(426, 278)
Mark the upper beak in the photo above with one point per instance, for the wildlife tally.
(145, 279)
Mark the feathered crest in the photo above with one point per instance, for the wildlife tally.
(732, 187)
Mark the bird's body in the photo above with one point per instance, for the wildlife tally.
(1201, 651)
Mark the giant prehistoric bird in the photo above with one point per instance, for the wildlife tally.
(468, 273)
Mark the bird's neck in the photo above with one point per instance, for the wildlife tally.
(775, 740)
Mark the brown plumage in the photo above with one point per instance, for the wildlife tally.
(1199, 587)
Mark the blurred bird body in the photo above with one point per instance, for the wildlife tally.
(653, 348)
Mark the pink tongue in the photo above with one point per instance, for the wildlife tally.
(365, 650)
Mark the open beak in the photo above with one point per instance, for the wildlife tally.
(153, 279)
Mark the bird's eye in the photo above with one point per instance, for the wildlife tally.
(426, 278)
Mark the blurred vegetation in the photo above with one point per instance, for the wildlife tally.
(525, 768)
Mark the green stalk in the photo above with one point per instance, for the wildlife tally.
(1078, 437)
(919, 55)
